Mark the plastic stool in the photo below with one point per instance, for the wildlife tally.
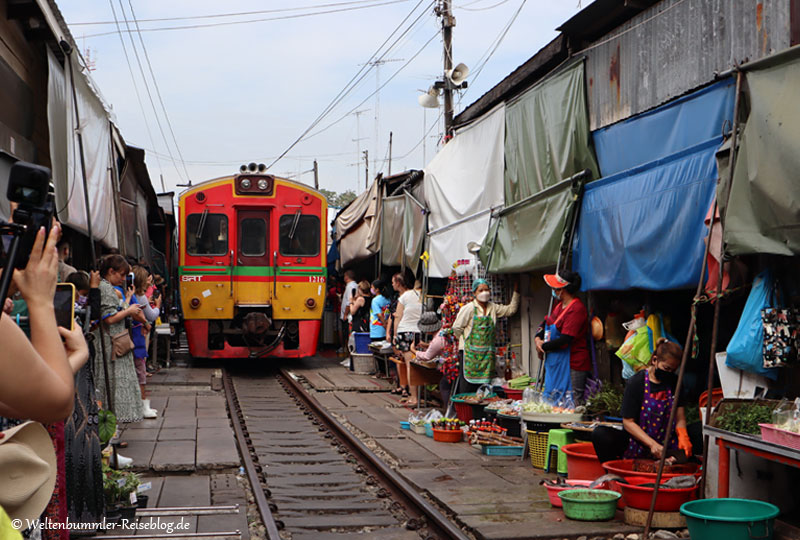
(556, 438)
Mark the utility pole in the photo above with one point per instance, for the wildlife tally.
(366, 169)
(316, 176)
(163, 187)
(390, 154)
(358, 140)
(448, 22)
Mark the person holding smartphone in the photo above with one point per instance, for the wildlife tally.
(126, 397)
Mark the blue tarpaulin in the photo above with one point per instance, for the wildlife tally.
(642, 224)
(668, 129)
(643, 228)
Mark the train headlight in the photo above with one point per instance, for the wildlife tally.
(311, 303)
(246, 184)
(263, 184)
(194, 303)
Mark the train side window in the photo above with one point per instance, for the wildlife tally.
(207, 234)
(299, 235)
(253, 237)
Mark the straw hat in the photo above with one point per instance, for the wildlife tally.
(429, 322)
(27, 470)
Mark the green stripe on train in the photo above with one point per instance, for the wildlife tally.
(252, 271)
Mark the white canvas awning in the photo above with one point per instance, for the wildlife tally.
(463, 182)
(358, 226)
(95, 128)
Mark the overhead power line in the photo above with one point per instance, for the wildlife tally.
(251, 21)
(236, 14)
(359, 76)
(158, 92)
(149, 94)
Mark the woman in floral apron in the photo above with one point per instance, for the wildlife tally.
(475, 328)
(646, 407)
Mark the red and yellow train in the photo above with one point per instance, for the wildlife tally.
(252, 266)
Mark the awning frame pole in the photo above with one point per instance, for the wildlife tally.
(712, 363)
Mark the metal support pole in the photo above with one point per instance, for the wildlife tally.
(366, 169)
(316, 175)
(712, 363)
(390, 154)
(448, 22)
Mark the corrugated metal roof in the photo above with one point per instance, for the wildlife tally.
(675, 47)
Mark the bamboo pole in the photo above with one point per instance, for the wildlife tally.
(689, 337)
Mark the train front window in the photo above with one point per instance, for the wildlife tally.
(207, 234)
(253, 237)
(299, 235)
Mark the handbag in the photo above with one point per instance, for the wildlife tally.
(780, 336)
(121, 344)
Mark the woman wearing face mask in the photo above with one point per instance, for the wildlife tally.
(646, 407)
(475, 328)
(562, 336)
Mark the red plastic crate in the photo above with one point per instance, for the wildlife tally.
(771, 433)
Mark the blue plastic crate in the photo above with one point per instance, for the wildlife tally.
(502, 450)
(404, 424)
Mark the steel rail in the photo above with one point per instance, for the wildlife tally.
(237, 419)
(416, 505)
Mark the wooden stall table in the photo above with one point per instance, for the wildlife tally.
(422, 374)
(383, 356)
(727, 440)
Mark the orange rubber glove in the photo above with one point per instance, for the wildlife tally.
(683, 441)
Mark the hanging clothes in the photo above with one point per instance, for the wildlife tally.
(479, 350)
(653, 419)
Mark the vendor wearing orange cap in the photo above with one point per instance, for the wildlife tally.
(562, 336)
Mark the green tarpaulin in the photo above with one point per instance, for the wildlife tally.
(391, 249)
(763, 215)
(547, 141)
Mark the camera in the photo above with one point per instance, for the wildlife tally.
(29, 187)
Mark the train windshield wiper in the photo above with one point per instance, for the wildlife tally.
(294, 225)
(201, 225)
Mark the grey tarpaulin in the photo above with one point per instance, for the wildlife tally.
(763, 214)
(547, 141)
(358, 226)
(403, 230)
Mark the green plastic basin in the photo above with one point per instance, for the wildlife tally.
(589, 504)
(731, 519)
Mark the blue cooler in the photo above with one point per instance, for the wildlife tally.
(361, 343)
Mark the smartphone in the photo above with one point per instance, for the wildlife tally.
(64, 304)
(129, 281)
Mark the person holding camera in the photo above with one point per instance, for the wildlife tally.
(123, 386)
(37, 375)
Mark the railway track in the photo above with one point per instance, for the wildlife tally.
(311, 477)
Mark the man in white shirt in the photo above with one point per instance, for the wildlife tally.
(349, 293)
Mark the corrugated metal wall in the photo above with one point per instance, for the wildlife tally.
(652, 59)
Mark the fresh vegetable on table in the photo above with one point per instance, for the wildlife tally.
(744, 419)
(604, 399)
(520, 382)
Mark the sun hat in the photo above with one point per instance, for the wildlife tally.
(429, 322)
(27, 470)
(555, 281)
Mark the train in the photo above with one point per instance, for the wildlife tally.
(252, 266)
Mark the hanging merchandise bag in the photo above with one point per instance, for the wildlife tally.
(636, 351)
(780, 332)
(746, 346)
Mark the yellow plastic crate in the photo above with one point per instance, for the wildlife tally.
(537, 445)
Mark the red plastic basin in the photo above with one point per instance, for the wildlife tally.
(553, 491)
(624, 468)
(582, 462)
(667, 500)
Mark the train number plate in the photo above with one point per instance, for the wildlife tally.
(316, 279)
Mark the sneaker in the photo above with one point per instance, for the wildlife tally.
(148, 412)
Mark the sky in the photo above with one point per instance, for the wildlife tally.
(241, 93)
